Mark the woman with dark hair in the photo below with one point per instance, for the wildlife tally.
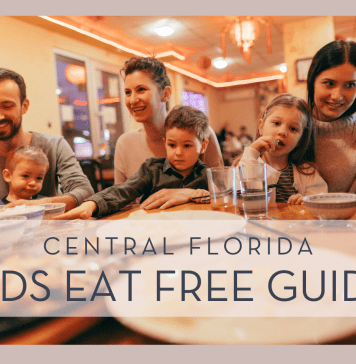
(332, 100)
(147, 90)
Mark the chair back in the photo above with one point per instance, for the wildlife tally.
(106, 162)
(91, 168)
(106, 165)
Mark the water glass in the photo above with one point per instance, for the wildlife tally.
(253, 181)
(222, 188)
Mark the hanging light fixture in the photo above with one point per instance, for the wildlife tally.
(75, 74)
(244, 32)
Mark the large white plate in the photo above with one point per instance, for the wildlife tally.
(176, 226)
(242, 330)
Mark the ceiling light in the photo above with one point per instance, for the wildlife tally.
(283, 68)
(219, 63)
(164, 31)
(244, 32)
(168, 65)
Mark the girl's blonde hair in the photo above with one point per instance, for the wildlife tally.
(304, 152)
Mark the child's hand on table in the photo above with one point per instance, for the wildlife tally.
(84, 211)
(169, 197)
(296, 199)
(196, 193)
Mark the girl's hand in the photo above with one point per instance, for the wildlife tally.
(296, 199)
(84, 211)
(264, 143)
(198, 193)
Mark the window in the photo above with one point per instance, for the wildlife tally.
(89, 103)
(199, 101)
(73, 105)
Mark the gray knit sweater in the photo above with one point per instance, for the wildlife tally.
(335, 152)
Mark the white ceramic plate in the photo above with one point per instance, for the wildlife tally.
(241, 330)
(34, 214)
(11, 230)
(176, 226)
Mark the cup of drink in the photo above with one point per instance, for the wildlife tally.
(253, 181)
(222, 188)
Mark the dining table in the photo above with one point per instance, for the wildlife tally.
(107, 330)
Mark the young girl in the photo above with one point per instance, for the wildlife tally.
(285, 141)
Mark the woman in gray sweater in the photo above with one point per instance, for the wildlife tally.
(332, 100)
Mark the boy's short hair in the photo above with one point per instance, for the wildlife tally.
(27, 152)
(188, 118)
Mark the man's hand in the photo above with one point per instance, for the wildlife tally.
(84, 211)
(169, 197)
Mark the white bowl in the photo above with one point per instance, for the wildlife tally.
(258, 202)
(34, 214)
(53, 209)
(11, 230)
(331, 206)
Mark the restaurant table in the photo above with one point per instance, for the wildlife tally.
(106, 330)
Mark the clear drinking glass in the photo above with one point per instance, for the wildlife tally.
(222, 188)
(253, 180)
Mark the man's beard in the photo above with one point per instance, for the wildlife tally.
(14, 129)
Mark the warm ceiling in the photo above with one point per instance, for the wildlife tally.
(200, 36)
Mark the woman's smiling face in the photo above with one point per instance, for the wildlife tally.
(143, 98)
(334, 92)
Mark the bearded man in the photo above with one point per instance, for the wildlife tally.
(65, 180)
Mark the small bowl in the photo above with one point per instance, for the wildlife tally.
(53, 209)
(11, 230)
(257, 202)
(34, 214)
(331, 206)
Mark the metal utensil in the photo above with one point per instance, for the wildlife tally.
(207, 197)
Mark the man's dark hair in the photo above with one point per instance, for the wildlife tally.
(6, 74)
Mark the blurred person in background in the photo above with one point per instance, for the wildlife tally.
(231, 148)
(244, 138)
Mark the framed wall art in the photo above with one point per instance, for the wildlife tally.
(302, 66)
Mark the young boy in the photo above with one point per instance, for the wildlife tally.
(186, 138)
(25, 169)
